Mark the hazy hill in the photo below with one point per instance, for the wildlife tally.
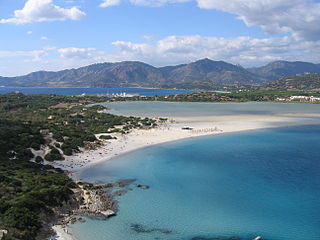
(279, 69)
(210, 73)
(300, 82)
(202, 74)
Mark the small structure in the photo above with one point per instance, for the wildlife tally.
(257, 238)
(45, 131)
(187, 128)
(108, 213)
(3, 233)
(145, 187)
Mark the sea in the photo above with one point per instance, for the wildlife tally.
(68, 91)
(229, 186)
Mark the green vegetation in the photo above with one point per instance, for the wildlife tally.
(30, 191)
(107, 137)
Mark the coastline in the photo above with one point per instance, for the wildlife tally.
(168, 132)
(172, 131)
(61, 233)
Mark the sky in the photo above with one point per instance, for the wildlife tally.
(59, 34)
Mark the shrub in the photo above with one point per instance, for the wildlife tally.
(107, 137)
(39, 159)
(54, 155)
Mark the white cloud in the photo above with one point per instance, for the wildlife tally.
(82, 53)
(27, 55)
(44, 38)
(299, 17)
(244, 50)
(29, 32)
(109, 3)
(42, 11)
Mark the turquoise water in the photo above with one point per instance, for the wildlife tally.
(264, 182)
(181, 109)
(78, 91)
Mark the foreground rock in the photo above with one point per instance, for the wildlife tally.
(3, 233)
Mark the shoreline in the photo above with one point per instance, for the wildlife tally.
(169, 132)
(172, 131)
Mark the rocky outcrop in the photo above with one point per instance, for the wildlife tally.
(3, 233)
(99, 200)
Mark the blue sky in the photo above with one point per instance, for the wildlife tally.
(58, 34)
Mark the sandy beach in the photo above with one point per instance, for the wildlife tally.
(61, 233)
(172, 131)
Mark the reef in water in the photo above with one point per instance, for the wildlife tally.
(143, 229)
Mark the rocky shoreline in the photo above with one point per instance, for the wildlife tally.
(91, 200)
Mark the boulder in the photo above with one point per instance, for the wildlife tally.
(257, 238)
(108, 213)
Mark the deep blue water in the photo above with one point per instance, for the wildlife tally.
(246, 184)
(79, 91)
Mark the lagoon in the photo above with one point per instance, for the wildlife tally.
(182, 109)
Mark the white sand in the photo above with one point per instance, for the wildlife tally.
(62, 233)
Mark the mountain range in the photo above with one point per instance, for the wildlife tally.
(201, 74)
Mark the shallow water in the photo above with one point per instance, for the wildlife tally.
(181, 109)
(264, 182)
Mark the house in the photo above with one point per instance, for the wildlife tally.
(3, 233)
(45, 131)
(187, 128)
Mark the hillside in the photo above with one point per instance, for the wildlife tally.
(279, 69)
(202, 74)
(296, 83)
(206, 73)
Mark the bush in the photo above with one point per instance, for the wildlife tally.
(54, 155)
(107, 137)
(23, 220)
(39, 159)
(67, 151)
(25, 154)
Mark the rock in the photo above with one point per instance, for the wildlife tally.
(143, 186)
(257, 238)
(108, 213)
(3, 233)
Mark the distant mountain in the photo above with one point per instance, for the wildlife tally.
(206, 73)
(279, 69)
(133, 74)
(202, 74)
(296, 83)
